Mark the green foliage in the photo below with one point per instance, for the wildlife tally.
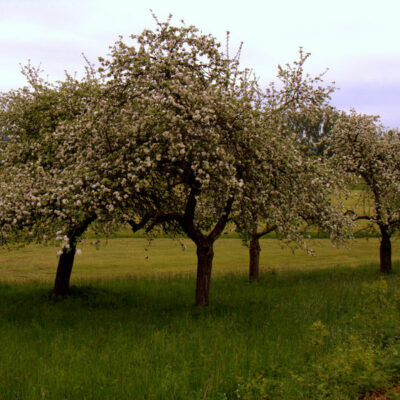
(353, 368)
(259, 387)
(378, 319)
(366, 360)
(319, 333)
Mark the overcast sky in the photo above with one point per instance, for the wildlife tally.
(358, 40)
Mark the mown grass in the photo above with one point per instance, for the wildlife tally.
(164, 257)
(142, 338)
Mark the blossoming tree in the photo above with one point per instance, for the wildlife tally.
(299, 116)
(185, 120)
(361, 147)
(40, 199)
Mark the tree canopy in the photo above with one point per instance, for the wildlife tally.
(362, 148)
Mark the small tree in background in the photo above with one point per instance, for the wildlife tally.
(303, 198)
(300, 194)
(361, 147)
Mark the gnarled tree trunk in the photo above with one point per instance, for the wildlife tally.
(385, 251)
(205, 254)
(254, 263)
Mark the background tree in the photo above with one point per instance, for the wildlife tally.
(301, 192)
(301, 104)
(360, 147)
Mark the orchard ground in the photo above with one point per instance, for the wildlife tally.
(130, 329)
(135, 257)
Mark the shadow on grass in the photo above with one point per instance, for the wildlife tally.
(122, 293)
(168, 299)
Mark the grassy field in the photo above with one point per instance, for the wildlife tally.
(143, 339)
(126, 256)
(130, 330)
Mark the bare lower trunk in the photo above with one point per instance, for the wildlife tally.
(205, 256)
(64, 269)
(254, 265)
(385, 252)
(66, 261)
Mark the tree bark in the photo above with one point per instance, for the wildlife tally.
(66, 261)
(385, 251)
(205, 254)
(64, 269)
(254, 264)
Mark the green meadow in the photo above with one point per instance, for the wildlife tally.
(130, 330)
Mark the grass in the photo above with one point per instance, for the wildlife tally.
(164, 257)
(142, 338)
(130, 330)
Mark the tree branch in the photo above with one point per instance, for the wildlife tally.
(80, 229)
(366, 217)
(356, 217)
(258, 235)
(160, 219)
(220, 225)
(136, 226)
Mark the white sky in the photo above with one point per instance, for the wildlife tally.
(358, 40)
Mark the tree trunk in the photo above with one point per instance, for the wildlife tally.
(205, 254)
(66, 261)
(385, 252)
(64, 269)
(254, 265)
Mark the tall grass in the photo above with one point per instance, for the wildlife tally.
(143, 339)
